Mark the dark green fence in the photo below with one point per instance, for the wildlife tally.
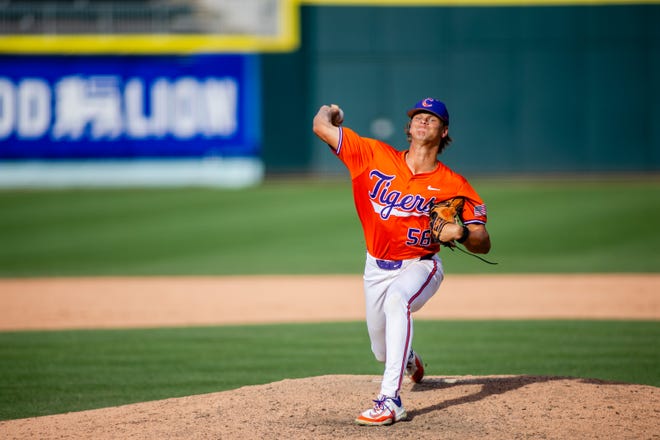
(529, 89)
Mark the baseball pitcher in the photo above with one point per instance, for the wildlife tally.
(409, 204)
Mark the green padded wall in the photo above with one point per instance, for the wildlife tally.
(529, 89)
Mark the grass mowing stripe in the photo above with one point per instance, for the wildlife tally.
(179, 231)
(53, 372)
(570, 226)
(613, 350)
(311, 227)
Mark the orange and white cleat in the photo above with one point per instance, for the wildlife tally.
(386, 411)
(415, 367)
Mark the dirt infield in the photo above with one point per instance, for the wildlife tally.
(59, 303)
(501, 407)
(515, 407)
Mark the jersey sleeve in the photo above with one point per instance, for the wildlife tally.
(474, 209)
(355, 151)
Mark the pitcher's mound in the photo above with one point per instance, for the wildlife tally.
(493, 407)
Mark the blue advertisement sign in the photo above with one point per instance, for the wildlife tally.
(124, 107)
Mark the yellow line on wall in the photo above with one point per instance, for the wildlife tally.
(287, 39)
(143, 44)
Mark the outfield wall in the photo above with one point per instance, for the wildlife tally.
(529, 89)
(549, 88)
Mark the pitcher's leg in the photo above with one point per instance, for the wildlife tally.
(398, 335)
(376, 283)
(376, 328)
(413, 288)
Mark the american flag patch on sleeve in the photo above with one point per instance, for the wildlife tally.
(480, 211)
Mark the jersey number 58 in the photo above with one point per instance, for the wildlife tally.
(418, 237)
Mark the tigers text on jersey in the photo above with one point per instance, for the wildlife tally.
(393, 203)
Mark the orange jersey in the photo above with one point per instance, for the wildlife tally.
(393, 203)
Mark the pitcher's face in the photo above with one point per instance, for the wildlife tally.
(427, 128)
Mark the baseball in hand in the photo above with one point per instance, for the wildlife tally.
(337, 115)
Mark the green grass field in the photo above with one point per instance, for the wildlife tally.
(52, 372)
(311, 227)
(308, 227)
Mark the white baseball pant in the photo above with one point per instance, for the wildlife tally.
(392, 294)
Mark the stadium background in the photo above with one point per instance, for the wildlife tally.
(533, 87)
(535, 90)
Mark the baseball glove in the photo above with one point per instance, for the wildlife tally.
(442, 213)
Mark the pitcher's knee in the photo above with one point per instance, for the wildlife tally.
(395, 303)
(378, 354)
